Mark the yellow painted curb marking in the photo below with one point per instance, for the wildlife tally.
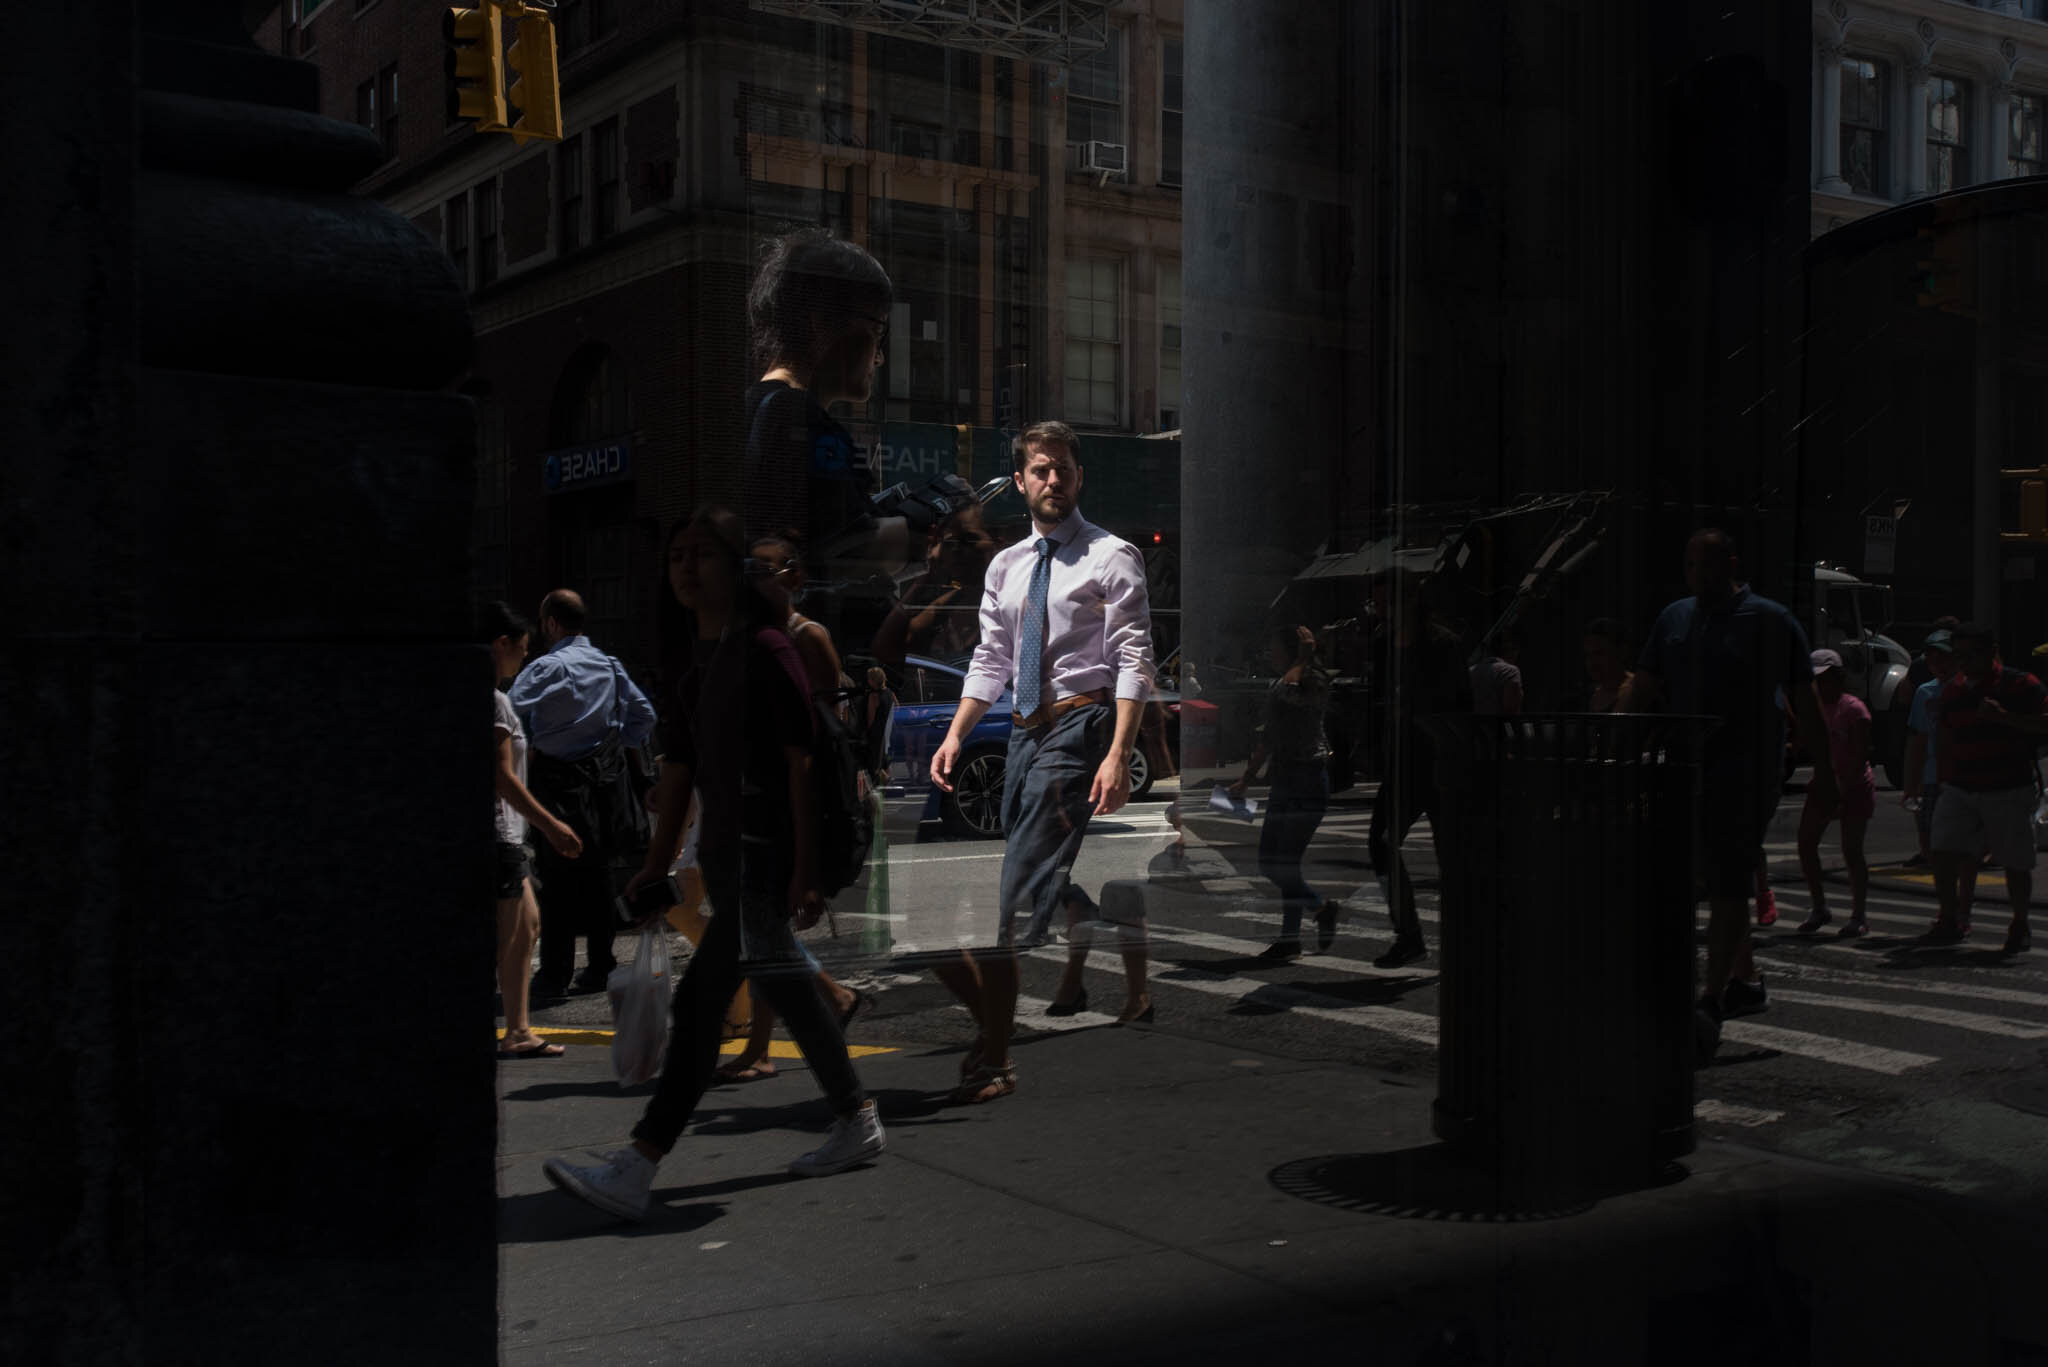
(778, 1048)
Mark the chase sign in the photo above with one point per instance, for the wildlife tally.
(578, 467)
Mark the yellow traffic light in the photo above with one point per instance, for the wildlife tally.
(475, 66)
(536, 94)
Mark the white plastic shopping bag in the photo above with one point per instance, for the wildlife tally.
(1220, 800)
(639, 991)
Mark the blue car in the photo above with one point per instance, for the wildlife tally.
(924, 710)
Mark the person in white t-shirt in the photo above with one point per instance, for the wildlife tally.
(518, 913)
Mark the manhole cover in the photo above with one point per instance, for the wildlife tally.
(1418, 1184)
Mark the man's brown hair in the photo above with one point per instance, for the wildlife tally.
(1040, 434)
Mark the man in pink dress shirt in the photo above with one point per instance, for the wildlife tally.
(1065, 613)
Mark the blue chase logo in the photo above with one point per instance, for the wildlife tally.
(599, 463)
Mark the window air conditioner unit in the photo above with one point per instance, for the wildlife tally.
(1110, 158)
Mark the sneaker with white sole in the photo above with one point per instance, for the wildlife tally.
(618, 1186)
(853, 1139)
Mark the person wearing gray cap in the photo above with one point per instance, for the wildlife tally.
(1855, 801)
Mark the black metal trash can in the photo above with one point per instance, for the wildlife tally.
(1567, 847)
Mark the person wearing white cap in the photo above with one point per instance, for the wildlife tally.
(1848, 727)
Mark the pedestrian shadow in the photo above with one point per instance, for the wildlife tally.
(1388, 991)
(551, 1216)
(555, 1091)
(899, 1106)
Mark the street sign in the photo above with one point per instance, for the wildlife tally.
(579, 467)
(1880, 541)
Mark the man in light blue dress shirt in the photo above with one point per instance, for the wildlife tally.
(571, 700)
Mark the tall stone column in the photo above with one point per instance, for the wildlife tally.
(1998, 145)
(246, 838)
(1267, 237)
(1916, 129)
(1831, 181)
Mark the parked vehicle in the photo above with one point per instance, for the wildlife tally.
(924, 710)
(1847, 615)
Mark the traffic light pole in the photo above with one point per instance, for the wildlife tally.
(1987, 559)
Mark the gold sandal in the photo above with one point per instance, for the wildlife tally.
(985, 1085)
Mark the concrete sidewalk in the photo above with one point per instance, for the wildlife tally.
(1151, 1196)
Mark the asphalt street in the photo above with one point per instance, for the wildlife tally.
(1880, 1053)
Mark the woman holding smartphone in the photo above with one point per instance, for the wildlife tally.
(737, 724)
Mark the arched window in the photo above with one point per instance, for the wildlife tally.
(591, 403)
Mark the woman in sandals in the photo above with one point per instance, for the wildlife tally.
(777, 570)
(1848, 723)
(508, 634)
(1292, 740)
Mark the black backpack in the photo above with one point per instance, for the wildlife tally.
(845, 825)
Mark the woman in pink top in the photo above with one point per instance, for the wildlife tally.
(1848, 723)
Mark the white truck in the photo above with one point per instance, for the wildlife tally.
(1848, 615)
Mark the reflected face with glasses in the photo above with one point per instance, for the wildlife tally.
(775, 569)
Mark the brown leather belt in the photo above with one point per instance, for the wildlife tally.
(1050, 712)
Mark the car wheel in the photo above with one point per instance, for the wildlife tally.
(1141, 774)
(975, 806)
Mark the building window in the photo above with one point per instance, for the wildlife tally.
(1169, 111)
(457, 216)
(1094, 343)
(569, 194)
(366, 105)
(579, 23)
(486, 233)
(2035, 9)
(604, 197)
(1095, 96)
(2023, 140)
(387, 109)
(1169, 346)
(1866, 154)
(1948, 115)
(306, 9)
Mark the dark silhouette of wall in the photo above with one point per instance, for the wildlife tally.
(246, 842)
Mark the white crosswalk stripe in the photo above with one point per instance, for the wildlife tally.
(1825, 1048)
(1933, 1015)
(1815, 980)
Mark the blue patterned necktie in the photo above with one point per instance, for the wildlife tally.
(1031, 651)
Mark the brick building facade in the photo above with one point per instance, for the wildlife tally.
(608, 271)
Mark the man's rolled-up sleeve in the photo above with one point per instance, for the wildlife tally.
(1127, 624)
(995, 654)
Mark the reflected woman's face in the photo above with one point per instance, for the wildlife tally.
(700, 571)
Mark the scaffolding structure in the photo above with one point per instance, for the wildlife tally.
(1053, 32)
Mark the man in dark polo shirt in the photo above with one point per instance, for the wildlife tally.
(1988, 720)
(1726, 652)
